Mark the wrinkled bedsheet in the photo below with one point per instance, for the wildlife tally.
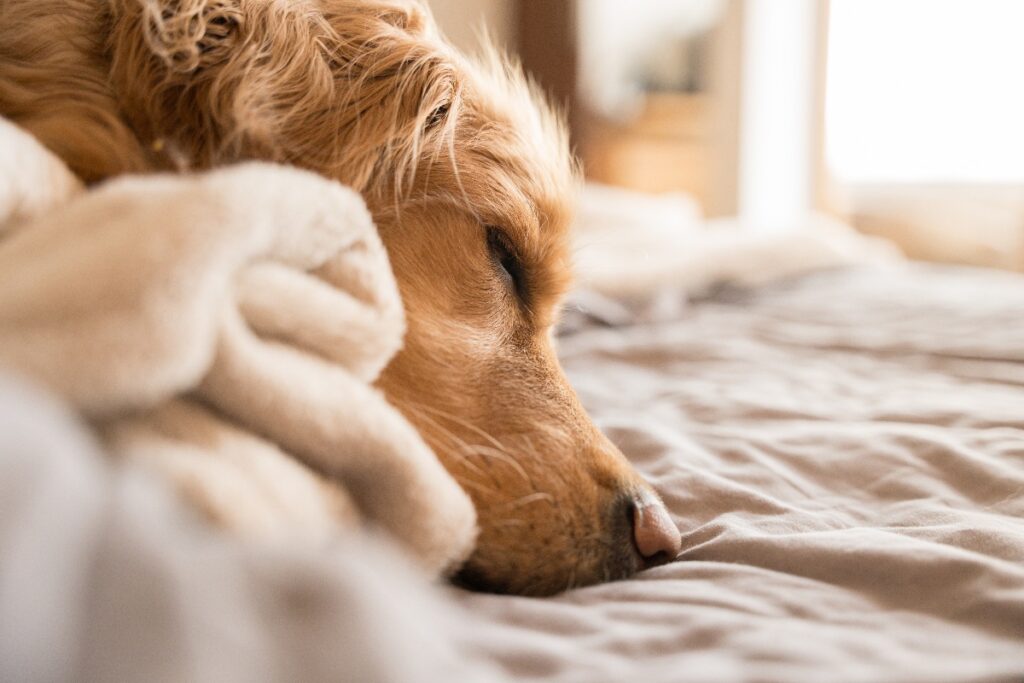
(844, 454)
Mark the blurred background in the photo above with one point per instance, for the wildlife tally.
(902, 118)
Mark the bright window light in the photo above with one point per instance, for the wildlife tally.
(775, 117)
(926, 91)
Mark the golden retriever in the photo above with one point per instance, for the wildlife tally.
(470, 180)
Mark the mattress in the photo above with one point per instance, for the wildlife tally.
(844, 454)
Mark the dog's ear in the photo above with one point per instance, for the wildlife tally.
(330, 85)
(401, 87)
(188, 35)
(408, 16)
(182, 70)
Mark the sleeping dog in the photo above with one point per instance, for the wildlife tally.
(469, 179)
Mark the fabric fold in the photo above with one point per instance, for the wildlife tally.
(224, 328)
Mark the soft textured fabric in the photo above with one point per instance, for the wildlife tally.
(630, 244)
(224, 329)
(105, 575)
(845, 458)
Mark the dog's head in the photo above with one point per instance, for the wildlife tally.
(469, 176)
(480, 248)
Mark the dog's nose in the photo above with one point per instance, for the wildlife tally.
(654, 534)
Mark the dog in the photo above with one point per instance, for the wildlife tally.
(468, 175)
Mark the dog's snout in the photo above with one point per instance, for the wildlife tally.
(655, 536)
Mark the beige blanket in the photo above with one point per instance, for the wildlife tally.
(224, 329)
(845, 458)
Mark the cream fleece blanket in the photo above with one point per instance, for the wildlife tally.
(224, 329)
(104, 576)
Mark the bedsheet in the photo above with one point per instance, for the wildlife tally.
(844, 454)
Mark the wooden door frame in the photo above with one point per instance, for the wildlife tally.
(547, 42)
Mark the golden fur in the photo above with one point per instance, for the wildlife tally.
(450, 155)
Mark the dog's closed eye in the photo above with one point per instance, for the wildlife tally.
(509, 267)
(437, 116)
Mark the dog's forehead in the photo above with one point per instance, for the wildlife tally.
(497, 89)
(521, 154)
(514, 186)
(508, 165)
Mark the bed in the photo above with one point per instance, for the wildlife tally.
(844, 453)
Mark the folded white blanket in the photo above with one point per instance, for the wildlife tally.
(224, 329)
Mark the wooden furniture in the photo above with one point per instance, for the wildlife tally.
(666, 148)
